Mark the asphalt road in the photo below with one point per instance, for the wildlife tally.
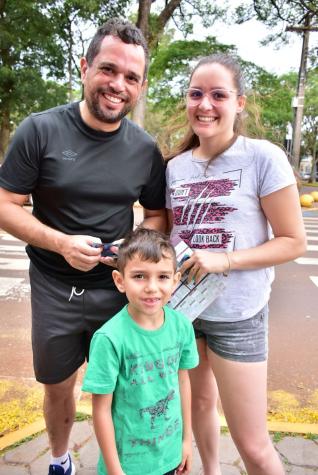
(293, 359)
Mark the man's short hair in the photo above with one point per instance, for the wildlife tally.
(122, 29)
(148, 245)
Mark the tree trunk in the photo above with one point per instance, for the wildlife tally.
(143, 17)
(138, 114)
(4, 133)
(69, 66)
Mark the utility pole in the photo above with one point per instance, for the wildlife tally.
(298, 101)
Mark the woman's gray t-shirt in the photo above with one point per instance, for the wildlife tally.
(222, 212)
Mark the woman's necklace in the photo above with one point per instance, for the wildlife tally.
(229, 144)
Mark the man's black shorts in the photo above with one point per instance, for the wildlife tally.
(64, 319)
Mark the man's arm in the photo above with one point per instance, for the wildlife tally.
(20, 223)
(105, 432)
(185, 395)
(155, 219)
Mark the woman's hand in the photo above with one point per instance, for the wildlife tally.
(204, 262)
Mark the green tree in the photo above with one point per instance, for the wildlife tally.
(26, 48)
(273, 95)
(297, 16)
(76, 21)
(153, 18)
(268, 108)
(40, 43)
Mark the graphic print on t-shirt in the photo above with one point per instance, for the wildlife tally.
(160, 408)
(200, 208)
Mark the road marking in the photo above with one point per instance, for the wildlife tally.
(311, 227)
(312, 238)
(14, 264)
(314, 279)
(7, 248)
(312, 247)
(8, 237)
(13, 287)
(311, 261)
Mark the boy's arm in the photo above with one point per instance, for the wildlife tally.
(185, 395)
(105, 433)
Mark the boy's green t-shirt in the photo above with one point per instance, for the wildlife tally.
(140, 367)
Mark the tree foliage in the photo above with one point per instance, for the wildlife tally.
(153, 17)
(268, 108)
(278, 13)
(40, 42)
(26, 48)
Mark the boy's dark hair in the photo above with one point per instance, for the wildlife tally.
(122, 29)
(148, 245)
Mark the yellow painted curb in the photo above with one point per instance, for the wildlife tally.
(296, 427)
(20, 434)
(38, 426)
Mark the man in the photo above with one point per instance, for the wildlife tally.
(85, 164)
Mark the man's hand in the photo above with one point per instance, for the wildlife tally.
(79, 253)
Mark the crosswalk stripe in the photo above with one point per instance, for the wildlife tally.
(312, 247)
(8, 237)
(8, 248)
(314, 279)
(311, 261)
(312, 238)
(16, 264)
(8, 284)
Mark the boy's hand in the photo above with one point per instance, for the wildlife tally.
(186, 462)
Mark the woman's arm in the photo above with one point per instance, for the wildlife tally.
(283, 212)
(105, 433)
(185, 396)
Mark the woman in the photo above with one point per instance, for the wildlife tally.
(236, 197)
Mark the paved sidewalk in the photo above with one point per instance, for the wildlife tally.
(300, 456)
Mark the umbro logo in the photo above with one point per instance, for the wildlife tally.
(69, 155)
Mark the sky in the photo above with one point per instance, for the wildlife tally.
(246, 38)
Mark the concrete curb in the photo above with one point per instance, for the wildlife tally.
(38, 426)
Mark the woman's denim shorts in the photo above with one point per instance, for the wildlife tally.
(245, 341)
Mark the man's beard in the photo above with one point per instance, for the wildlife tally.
(104, 115)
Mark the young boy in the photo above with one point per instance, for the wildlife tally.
(138, 366)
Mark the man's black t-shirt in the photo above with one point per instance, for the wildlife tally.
(82, 181)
